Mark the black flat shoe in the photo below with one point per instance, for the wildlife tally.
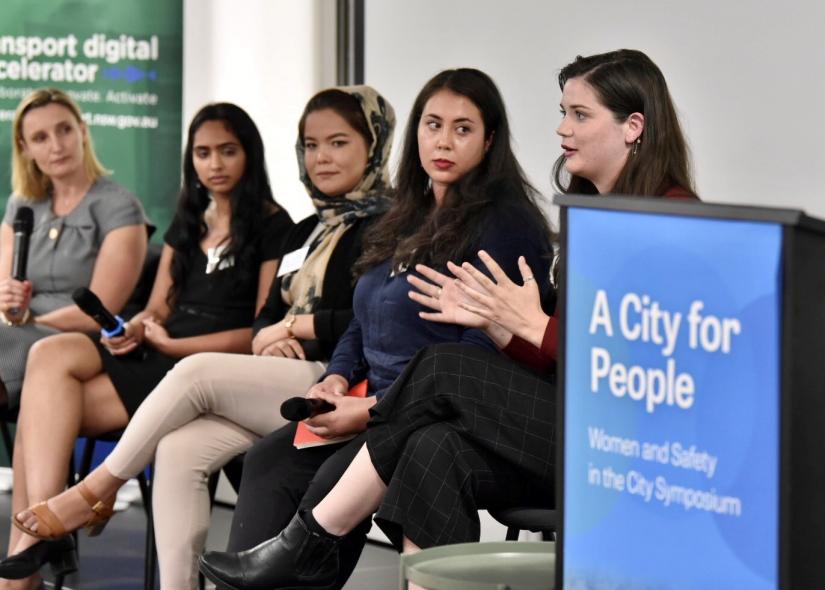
(61, 555)
(297, 558)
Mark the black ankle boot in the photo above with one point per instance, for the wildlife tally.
(297, 558)
(60, 554)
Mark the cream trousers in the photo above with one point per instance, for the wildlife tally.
(209, 408)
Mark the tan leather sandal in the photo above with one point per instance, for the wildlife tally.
(50, 527)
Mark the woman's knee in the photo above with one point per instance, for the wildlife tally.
(60, 357)
(274, 448)
(433, 440)
(191, 378)
(66, 350)
(196, 367)
(257, 455)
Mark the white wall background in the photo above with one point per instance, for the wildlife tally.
(269, 57)
(748, 78)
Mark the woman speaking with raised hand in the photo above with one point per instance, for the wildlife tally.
(460, 189)
(463, 428)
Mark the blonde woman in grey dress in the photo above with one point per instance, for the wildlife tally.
(88, 232)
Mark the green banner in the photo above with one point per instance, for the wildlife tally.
(121, 60)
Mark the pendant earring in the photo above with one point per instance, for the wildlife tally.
(636, 145)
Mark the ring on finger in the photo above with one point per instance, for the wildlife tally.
(528, 279)
(438, 293)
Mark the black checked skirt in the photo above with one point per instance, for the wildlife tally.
(461, 429)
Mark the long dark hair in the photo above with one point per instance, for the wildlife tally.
(626, 82)
(251, 202)
(414, 229)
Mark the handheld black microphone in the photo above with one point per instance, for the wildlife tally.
(301, 408)
(110, 325)
(23, 225)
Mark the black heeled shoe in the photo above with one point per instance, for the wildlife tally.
(61, 555)
(297, 558)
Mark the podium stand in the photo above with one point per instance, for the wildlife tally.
(692, 396)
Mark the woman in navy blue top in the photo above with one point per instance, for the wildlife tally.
(387, 330)
(460, 190)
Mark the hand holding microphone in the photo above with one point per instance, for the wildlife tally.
(333, 412)
(90, 304)
(301, 408)
(116, 334)
(14, 300)
(15, 292)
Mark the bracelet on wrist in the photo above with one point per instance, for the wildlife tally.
(14, 322)
(290, 321)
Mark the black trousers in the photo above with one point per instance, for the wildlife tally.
(461, 429)
(279, 480)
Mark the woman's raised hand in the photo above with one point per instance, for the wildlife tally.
(516, 308)
(443, 295)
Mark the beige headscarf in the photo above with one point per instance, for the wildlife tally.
(302, 290)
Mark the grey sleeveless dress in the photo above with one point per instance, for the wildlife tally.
(62, 255)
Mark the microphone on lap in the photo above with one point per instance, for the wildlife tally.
(301, 408)
(110, 325)
(23, 225)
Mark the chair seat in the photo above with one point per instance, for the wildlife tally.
(523, 518)
(527, 519)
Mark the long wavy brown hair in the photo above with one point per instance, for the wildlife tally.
(416, 230)
(626, 82)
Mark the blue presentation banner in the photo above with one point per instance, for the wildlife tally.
(671, 450)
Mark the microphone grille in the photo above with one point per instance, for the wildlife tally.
(295, 409)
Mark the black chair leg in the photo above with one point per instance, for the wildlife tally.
(8, 441)
(512, 533)
(150, 553)
(145, 492)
